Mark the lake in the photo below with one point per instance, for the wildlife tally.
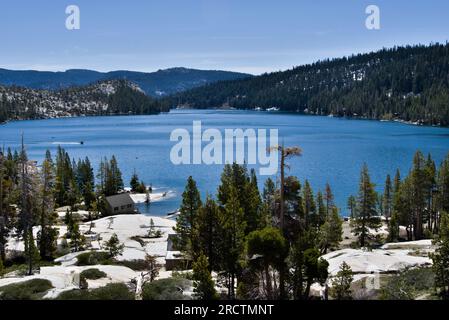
(334, 149)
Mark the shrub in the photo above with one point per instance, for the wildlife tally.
(136, 265)
(113, 291)
(93, 258)
(408, 284)
(93, 274)
(166, 289)
(29, 290)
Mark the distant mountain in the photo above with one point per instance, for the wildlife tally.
(107, 97)
(404, 83)
(160, 83)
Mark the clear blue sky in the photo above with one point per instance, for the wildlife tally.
(252, 36)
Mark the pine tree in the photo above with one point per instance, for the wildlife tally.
(188, 213)
(208, 232)
(341, 283)
(321, 208)
(329, 199)
(366, 214)
(272, 248)
(387, 198)
(204, 286)
(309, 208)
(441, 258)
(31, 253)
(134, 183)
(351, 205)
(418, 183)
(47, 235)
(113, 246)
(233, 234)
(77, 239)
(331, 232)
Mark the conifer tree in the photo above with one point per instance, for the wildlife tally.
(188, 213)
(113, 246)
(387, 198)
(441, 258)
(47, 236)
(341, 283)
(204, 286)
(208, 232)
(272, 248)
(233, 235)
(331, 232)
(351, 205)
(309, 208)
(366, 214)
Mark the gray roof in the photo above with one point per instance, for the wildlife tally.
(119, 200)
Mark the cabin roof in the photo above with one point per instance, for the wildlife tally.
(119, 200)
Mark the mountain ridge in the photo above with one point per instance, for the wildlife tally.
(162, 82)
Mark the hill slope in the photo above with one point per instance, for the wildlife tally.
(407, 83)
(160, 83)
(105, 97)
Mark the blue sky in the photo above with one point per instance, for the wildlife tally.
(239, 35)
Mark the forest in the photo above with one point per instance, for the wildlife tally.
(103, 98)
(258, 244)
(403, 83)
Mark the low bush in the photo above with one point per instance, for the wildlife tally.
(113, 291)
(408, 285)
(166, 289)
(93, 258)
(29, 290)
(93, 274)
(136, 265)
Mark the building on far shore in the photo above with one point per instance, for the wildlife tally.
(120, 204)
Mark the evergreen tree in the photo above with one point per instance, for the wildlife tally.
(309, 208)
(208, 232)
(366, 215)
(351, 205)
(387, 198)
(341, 283)
(134, 183)
(331, 232)
(188, 213)
(441, 258)
(418, 183)
(113, 246)
(233, 234)
(204, 286)
(47, 236)
(272, 248)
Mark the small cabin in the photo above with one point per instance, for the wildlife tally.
(120, 204)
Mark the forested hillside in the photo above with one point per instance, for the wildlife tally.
(102, 98)
(408, 83)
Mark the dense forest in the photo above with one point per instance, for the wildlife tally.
(407, 83)
(102, 98)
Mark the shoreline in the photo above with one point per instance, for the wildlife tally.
(398, 120)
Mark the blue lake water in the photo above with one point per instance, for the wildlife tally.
(334, 150)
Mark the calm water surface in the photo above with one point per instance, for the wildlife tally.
(334, 149)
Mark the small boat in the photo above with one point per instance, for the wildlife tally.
(273, 109)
